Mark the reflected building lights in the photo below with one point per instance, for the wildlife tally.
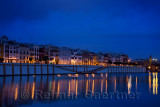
(69, 89)
(76, 87)
(53, 86)
(50, 86)
(129, 84)
(80, 86)
(102, 75)
(106, 76)
(16, 92)
(106, 86)
(101, 86)
(33, 89)
(93, 87)
(58, 88)
(150, 82)
(87, 87)
(155, 83)
(115, 84)
(136, 83)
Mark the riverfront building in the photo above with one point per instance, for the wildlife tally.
(16, 52)
(65, 55)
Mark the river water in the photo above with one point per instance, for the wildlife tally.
(80, 90)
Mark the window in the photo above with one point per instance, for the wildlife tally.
(6, 46)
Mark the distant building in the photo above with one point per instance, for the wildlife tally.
(76, 57)
(64, 55)
(1, 53)
(86, 58)
(53, 55)
(15, 52)
(49, 54)
(24, 53)
(34, 53)
(11, 52)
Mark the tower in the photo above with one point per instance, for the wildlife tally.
(150, 60)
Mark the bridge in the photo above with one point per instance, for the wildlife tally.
(12, 69)
(105, 69)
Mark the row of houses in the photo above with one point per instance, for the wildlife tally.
(16, 52)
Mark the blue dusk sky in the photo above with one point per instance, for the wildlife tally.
(124, 26)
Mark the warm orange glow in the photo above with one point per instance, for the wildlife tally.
(87, 87)
(106, 86)
(136, 83)
(16, 93)
(101, 86)
(76, 87)
(58, 88)
(115, 84)
(69, 75)
(69, 88)
(58, 75)
(33, 89)
(106, 75)
(93, 87)
(155, 83)
(86, 75)
(149, 82)
(129, 84)
(76, 75)
(102, 75)
(93, 75)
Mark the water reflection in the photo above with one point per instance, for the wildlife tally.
(155, 83)
(149, 82)
(129, 84)
(16, 92)
(11, 88)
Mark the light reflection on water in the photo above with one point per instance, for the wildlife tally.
(11, 88)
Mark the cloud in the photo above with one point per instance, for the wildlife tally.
(38, 9)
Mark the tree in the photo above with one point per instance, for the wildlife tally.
(117, 63)
(109, 62)
(40, 59)
(30, 59)
(45, 58)
(57, 60)
(1, 60)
